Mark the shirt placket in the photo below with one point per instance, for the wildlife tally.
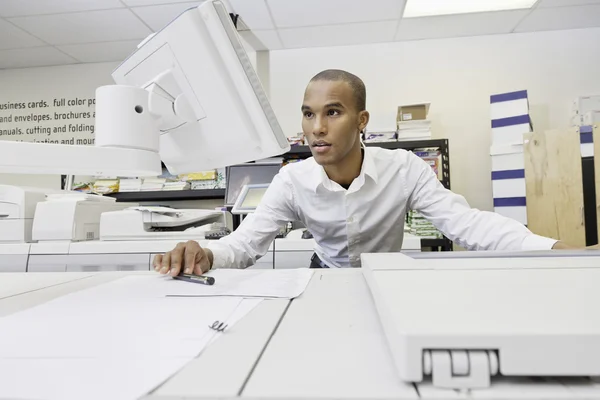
(353, 232)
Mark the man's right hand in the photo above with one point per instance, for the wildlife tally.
(189, 257)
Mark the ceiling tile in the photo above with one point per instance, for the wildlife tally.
(338, 35)
(544, 19)
(262, 40)
(565, 3)
(291, 14)
(33, 57)
(136, 3)
(459, 25)
(14, 8)
(12, 37)
(94, 26)
(254, 13)
(157, 17)
(100, 52)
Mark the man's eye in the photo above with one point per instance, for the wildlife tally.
(308, 114)
(333, 112)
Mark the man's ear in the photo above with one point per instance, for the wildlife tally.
(363, 120)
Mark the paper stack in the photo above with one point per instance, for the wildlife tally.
(177, 185)
(124, 338)
(153, 184)
(419, 226)
(414, 130)
(130, 185)
(213, 179)
(509, 113)
(105, 186)
(412, 122)
(379, 136)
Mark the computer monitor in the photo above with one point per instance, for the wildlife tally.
(247, 174)
(209, 103)
(249, 198)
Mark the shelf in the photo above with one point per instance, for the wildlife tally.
(404, 144)
(170, 195)
(443, 244)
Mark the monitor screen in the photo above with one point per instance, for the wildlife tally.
(253, 197)
(247, 174)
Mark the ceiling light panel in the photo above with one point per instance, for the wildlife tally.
(425, 8)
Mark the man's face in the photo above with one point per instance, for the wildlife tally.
(330, 121)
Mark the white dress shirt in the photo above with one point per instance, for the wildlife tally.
(369, 216)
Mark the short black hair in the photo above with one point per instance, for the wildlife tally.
(356, 84)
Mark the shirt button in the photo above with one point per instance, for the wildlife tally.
(350, 219)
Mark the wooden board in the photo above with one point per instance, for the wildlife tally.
(553, 177)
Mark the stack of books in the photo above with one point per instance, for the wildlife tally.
(153, 184)
(419, 226)
(176, 185)
(130, 185)
(414, 130)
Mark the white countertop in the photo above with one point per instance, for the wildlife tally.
(327, 344)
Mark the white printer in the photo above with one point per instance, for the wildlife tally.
(17, 209)
(72, 216)
(159, 223)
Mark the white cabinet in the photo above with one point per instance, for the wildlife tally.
(293, 253)
(13, 257)
(13, 262)
(292, 259)
(265, 262)
(108, 262)
(47, 263)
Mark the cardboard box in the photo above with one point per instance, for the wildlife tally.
(506, 105)
(412, 112)
(509, 131)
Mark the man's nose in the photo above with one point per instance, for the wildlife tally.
(320, 126)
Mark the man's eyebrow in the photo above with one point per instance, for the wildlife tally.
(334, 105)
(305, 107)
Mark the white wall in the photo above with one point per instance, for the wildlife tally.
(457, 76)
(47, 84)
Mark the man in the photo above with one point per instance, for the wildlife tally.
(352, 199)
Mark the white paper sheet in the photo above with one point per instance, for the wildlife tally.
(240, 312)
(90, 379)
(16, 283)
(106, 342)
(287, 284)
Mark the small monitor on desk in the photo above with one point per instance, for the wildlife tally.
(249, 198)
(239, 176)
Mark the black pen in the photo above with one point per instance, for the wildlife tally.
(202, 279)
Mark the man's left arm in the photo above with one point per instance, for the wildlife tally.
(469, 228)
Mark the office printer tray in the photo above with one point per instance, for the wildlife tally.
(530, 321)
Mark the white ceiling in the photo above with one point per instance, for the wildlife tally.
(53, 32)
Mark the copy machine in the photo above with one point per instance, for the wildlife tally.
(129, 239)
(462, 323)
(17, 209)
(160, 223)
(71, 216)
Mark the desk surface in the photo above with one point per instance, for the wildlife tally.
(328, 343)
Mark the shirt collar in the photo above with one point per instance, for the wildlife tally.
(319, 176)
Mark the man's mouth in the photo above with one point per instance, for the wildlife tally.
(321, 147)
(321, 144)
